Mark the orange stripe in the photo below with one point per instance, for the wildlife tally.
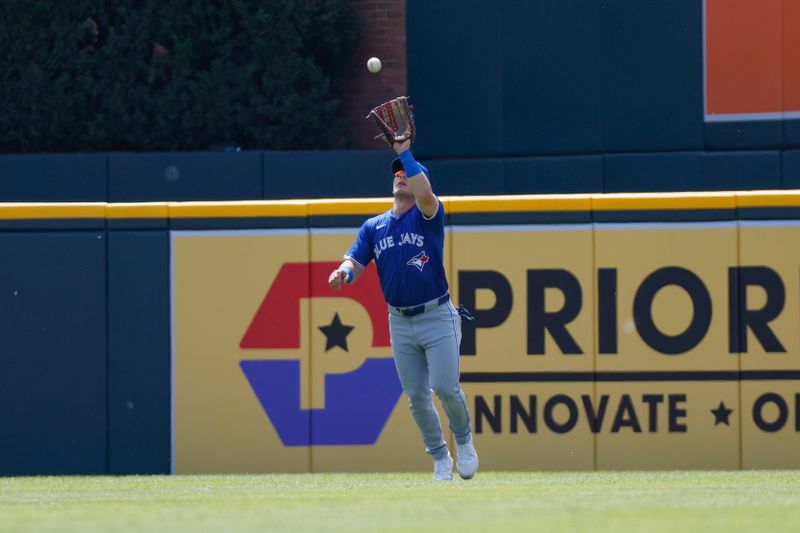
(743, 56)
(791, 55)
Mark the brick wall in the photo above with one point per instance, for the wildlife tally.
(383, 35)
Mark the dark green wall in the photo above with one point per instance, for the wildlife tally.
(84, 349)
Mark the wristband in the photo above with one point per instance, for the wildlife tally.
(410, 165)
(349, 272)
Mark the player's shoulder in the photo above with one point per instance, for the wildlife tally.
(377, 221)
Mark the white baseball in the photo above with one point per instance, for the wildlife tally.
(374, 65)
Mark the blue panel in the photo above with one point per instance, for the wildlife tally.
(466, 176)
(138, 352)
(652, 65)
(677, 171)
(521, 217)
(741, 170)
(748, 135)
(455, 75)
(239, 223)
(664, 215)
(576, 174)
(135, 177)
(791, 169)
(791, 133)
(328, 174)
(52, 224)
(551, 67)
(137, 223)
(691, 171)
(53, 353)
(53, 178)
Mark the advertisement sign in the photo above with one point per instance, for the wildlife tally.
(529, 354)
(219, 280)
(596, 345)
(663, 358)
(769, 343)
(273, 370)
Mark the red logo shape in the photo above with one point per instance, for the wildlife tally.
(276, 324)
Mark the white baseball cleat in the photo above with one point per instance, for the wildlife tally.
(467, 459)
(443, 468)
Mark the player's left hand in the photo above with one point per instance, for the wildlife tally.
(402, 146)
(394, 120)
(336, 279)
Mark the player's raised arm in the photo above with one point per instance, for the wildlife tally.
(347, 273)
(417, 180)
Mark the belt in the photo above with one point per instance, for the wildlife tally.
(419, 309)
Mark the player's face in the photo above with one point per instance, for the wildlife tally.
(400, 185)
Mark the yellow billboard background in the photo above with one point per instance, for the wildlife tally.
(512, 252)
(219, 281)
(635, 408)
(772, 244)
(636, 251)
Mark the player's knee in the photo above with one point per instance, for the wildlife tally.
(445, 391)
(419, 398)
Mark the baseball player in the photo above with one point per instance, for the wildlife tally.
(407, 245)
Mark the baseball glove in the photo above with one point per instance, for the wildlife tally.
(395, 120)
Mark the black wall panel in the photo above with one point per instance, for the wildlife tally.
(141, 177)
(741, 170)
(460, 177)
(652, 75)
(692, 171)
(328, 174)
(455, 77)
(645, 172)
(551, 77)
(53, 177)
(52, 353)
(576, 174)
(791, 133)
(757, 135)
(138, 352)
(791, 169)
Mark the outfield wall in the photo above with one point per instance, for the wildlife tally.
(256, 175)
(611, 332)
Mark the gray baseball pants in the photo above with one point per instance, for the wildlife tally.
(426, 354)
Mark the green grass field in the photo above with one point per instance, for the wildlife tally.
(493, 501)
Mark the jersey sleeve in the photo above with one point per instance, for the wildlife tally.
(436, 222)
(361, 250)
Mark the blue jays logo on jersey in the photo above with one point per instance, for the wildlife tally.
(407, 238)
(419, 260)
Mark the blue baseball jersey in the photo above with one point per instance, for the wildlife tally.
(408, 251)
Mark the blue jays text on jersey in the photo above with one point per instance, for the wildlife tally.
(408, 251)
(405, 238)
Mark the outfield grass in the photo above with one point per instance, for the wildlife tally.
(493, 501)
